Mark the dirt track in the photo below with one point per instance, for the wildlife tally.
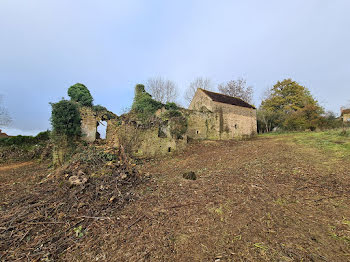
(14, 166)
(259, 200)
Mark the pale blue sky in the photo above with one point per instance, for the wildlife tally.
(46, 46)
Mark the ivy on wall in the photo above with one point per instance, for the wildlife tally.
(65, 119)
(81, 94)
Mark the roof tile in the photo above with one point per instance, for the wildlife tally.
(227, 99)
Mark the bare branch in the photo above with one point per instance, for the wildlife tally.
(162, 90)
(200, 82)
(237, 88)
(5, 118)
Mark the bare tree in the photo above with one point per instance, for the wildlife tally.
(237, 88)
(200, 82)
(5, 118)
(162, 90)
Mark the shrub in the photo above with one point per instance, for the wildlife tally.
(171, 106)
(79, 93)
(171, 113)
(144, 106)
(19, 140)
(65, 119)
(43, 136)
(99, 108)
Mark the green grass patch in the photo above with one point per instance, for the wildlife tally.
(336, 141)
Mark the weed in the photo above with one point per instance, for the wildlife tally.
(79, 232)
(218, 211)
(281, 201)
(338, 237)
(346, 222)
(261, 246)
(236, 238)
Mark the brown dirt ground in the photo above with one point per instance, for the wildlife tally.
(256, 200)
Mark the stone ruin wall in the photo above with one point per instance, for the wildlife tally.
(88, 124)
(226, 122)
(143, 142)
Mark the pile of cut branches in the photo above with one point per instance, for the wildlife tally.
(57, 214)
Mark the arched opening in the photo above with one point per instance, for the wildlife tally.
(169, 149)
(101, 129)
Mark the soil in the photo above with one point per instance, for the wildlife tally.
(257, 200)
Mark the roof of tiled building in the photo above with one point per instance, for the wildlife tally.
(227, 99)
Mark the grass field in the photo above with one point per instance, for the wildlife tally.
(336, 142)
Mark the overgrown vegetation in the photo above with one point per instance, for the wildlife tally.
(177, 123)
(23, 148)
(42, 137)
(99, 108)
(171, 106)
(80, 94)
(65, 119)
(144, 106)
(103, 112)
(178, 126)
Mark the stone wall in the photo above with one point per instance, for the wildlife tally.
(237, 121)
(225, 121)
(206, 119)
(201, 102)
(346, 117)
(88, 124)
(202, 125)
(138, 141)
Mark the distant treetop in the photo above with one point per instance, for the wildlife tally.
(81, 94)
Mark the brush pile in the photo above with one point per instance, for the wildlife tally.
(50, 220)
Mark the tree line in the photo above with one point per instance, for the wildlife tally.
(287, 106)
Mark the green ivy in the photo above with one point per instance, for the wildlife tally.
(171, 106)
(144, 106)
(65, 119)
(99, 108)
(178, 126)
(79, 93)
(170, 114)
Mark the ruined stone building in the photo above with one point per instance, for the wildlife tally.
(345, 114)
(210, 116)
